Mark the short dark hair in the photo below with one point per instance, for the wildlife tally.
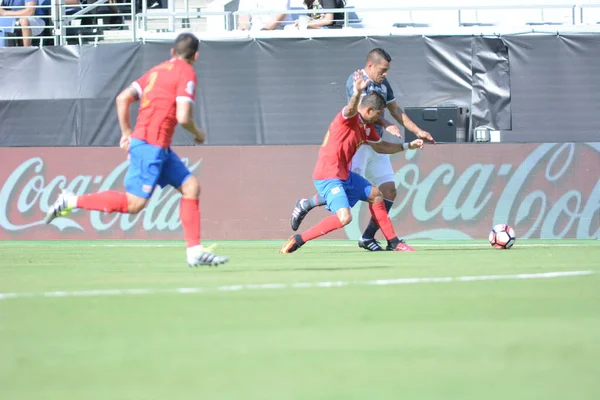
(373, 100)
(376, 55)
(186, 45)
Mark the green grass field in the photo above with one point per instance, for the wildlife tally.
(109, 320)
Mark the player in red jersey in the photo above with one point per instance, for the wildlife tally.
(342, 188)
(167, 93)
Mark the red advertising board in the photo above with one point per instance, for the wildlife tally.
(445, 191)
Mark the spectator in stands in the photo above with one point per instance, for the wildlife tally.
(30, 19)
(320, 20)
(265, 22)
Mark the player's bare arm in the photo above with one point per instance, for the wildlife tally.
(185, 118)
(400, 116)
(391, 148)
(390, 127)
(359, 85)
(124, 101)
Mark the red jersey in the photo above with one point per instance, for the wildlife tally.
(344, 137)
(159, 90)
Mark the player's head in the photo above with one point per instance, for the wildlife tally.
(371, 107)
(378, 63)
(186, 47)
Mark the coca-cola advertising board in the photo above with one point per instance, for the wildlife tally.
(453, 191)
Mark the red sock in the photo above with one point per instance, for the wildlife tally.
(189, 213)
(322, 228)
(383, 220)
(107, 201)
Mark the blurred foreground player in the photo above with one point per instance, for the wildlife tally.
(342, 188)
(167, 94)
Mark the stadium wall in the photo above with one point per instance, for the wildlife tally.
(534, 88)
(549, 190)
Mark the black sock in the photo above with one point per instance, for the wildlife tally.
(313, 202)
(394, 242)
(373, 227)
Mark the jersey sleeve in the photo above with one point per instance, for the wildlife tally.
(390, 92)
(342, 119)
(372, 134)
(349, 88)
(140, 84)
(186, 86)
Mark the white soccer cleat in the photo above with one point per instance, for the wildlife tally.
(200, 256)
(62, 206)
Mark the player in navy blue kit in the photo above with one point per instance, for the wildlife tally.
(375, 167)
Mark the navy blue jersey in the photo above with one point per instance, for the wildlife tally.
(384, 88)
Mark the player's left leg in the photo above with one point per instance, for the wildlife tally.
(176, 174)
(145, 165)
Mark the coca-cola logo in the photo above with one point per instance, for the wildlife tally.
(444, 192)
(32, 193)
(543, 196)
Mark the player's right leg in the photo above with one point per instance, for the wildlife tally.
(302, 208)
(380, 173)
(362, 164)
(380, 214)
(332, 190)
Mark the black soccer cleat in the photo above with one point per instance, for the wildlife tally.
(293, 244)
(369, 244)
(298, 215)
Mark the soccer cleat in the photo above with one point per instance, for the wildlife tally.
(293, 244)
(401, 246)
(369, 244)
(199, 256)
(62, 206)
(298, 215)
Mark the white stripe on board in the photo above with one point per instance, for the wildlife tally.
(298, 285)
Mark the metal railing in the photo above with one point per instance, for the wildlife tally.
(70, 24)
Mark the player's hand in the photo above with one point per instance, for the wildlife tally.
(360, 83)
(426, 136)
(416, 144)
(200, 136)
(394, 130)
(124, 142)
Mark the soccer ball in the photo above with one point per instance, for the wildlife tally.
(502, 236)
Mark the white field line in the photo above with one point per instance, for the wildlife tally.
(298, 285)
(354, 245)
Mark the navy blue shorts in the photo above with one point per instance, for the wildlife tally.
(343, 194)
(151, 165)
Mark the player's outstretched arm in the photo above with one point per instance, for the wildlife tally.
(124, 101)
(359, 85)
(391, 148)
(185, 118)
(400, 116)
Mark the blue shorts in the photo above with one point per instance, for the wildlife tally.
(343, 194)
(150, 165)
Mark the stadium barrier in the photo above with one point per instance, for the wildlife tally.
(104, 20)
(542, 190)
